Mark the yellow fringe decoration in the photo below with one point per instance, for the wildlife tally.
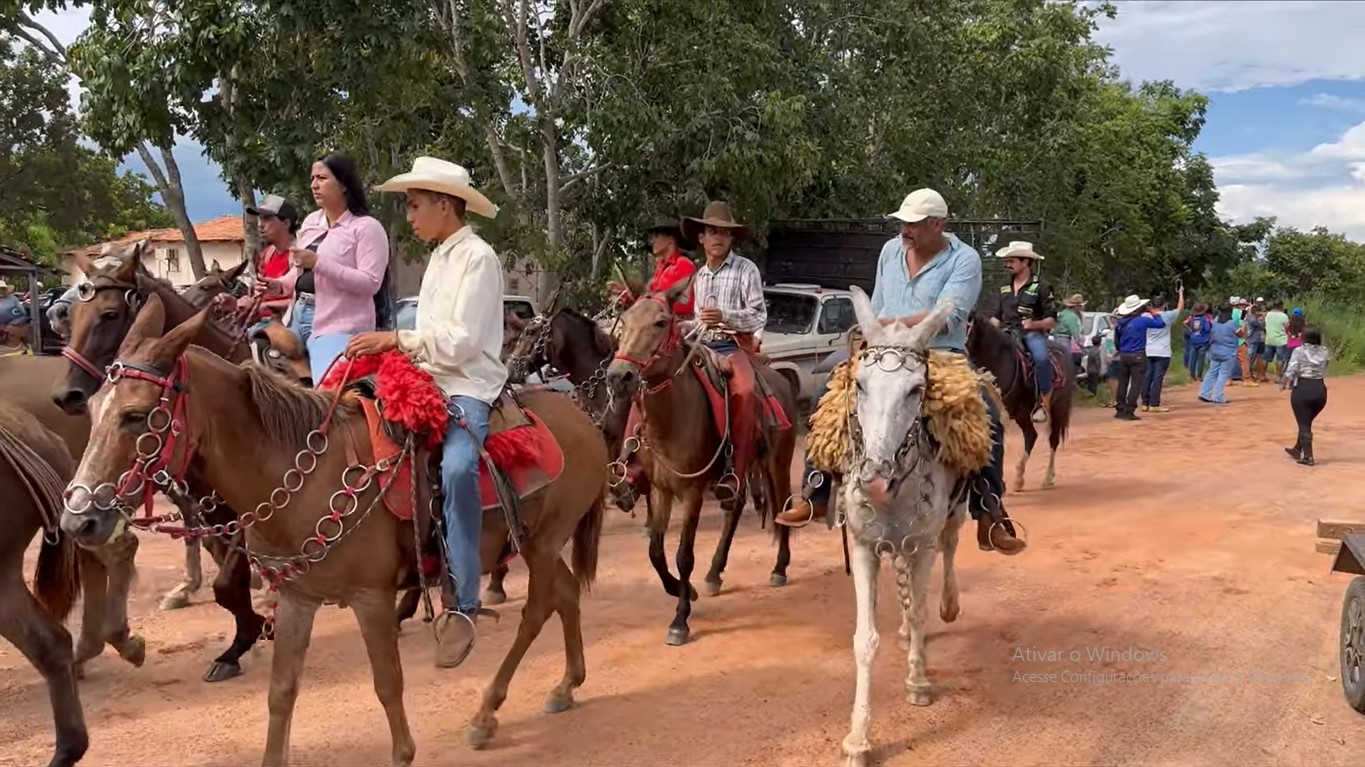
(958, 418)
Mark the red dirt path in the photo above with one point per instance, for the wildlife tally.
(1189, 534)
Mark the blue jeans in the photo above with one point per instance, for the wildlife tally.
(323, 350)
(1220, 370)
(1153, 378)
(462, 507)
(1199, 359)
(301, 321)
(993, 473)
(1036, 342)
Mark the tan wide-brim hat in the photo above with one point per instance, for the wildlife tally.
(435, 175)
(1130, 305)
(1074, 301)
(1019, 249)
(717, 214)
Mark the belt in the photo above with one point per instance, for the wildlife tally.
(305, 298)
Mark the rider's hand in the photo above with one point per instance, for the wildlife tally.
(304, 258)
(264, 286)
(711, 316)
(376, 342)
(224, 301)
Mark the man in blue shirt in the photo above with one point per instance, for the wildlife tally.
(914, 273)
(1131, 341)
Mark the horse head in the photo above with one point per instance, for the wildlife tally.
(106, 303)
(217, 281)
(650, 339)
(891, 379)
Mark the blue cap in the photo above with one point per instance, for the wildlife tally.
(1297, 312)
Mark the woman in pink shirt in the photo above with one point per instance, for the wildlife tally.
(340, 260)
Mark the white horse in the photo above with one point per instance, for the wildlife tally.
(896, 499)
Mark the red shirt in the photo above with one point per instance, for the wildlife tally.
(272, 264)
(674, 268)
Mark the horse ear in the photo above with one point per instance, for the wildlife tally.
(868, 324)
(150, 323)
(174, 343)
(85, 265)
(128, 268)
(680, 290)
(556, 302)
(932, 325)
(214, 267)
(236, 271)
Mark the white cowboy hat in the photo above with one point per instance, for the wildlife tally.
(1130, 305)
(4, 285)
(1019, 249)
(435, 175)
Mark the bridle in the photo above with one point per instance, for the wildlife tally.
(157, 465)
(889, 359)
(667, 347)
(86, 292)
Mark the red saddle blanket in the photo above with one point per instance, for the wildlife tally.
(1057, 356)
(771, 414)
(528, 455)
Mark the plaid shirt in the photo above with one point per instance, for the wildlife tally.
(736, 289)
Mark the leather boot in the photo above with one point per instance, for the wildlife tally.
(455, 630)
(999, 537)
(1040, 413)
(1306, 454)
(802, 513)
(1296, 451)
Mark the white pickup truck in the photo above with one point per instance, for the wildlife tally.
(805, 324)
(522, 306)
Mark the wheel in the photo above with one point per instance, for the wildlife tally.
(1353, 645)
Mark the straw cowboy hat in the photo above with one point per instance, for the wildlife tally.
(4, 286)
(717, 214)
(435, 175)
(1019, 249)
(1130, 305)
(1074, 301)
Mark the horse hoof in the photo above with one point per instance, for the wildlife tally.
(777, 579)
(712, 588)
(677, 637)
(856, 760)
(221, 671)
(948, 612)
(919, 696)
(692, 593)
(177, 598)
(1049, 484)
(494, 597)
(558, 704)
(479, 737)
(134, 650)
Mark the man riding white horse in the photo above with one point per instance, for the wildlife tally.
(457, 339)
(914, 273)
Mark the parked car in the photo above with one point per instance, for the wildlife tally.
(805, 324)
(523, 307)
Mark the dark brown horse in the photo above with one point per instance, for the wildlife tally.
(992, 349)
(99, 324)
(34, 465)
(680, 446)
(244, 424)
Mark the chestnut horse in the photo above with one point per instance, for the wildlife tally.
(100, 321)
(34, 464)
(680, 447)
(241, 424)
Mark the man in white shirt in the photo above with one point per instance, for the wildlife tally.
(457, 339)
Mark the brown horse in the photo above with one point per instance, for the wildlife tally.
(680, 448)
(99, 324)
(241, 424)
(34, 464)
(995, 350)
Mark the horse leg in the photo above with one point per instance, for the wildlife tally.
(374, 612)
(864, 563)
(722, 555)
(1030, 437)
(658, 525)
(1054, 438)
(94, 588)
(567, 593)
(540, 602)
(119, 563)
(779, 488)
(678, 631)
(917, 571)
(496, 594)
(407, 605)
(232, 592)
(47, 645)
(948, 607)
(179, 595)
(294, 615)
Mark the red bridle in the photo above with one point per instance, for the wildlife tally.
(666, 348)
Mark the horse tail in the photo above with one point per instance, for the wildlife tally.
(57, 582)
(587, 537)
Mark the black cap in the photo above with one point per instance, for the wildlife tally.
(275, 206)
(669, 226)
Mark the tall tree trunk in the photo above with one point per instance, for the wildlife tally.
(173, 196)
(251, 228)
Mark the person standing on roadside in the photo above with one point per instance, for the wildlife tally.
(1131, 334)
(1200, 324)
(1159, 351)
(1305, 373)
(1223, 341)
(1276, 341)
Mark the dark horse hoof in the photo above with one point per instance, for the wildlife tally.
(777, 579)
(677, 637)
(221, 671)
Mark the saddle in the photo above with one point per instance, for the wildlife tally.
(1059, 355)
(715, 371)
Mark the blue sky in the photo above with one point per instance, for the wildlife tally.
(1285, 130)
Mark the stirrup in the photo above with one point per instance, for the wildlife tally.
(724, 492)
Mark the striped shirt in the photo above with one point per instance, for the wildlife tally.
(736, 289)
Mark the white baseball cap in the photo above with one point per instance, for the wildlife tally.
(921, 204)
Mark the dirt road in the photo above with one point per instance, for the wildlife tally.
(1187, 536)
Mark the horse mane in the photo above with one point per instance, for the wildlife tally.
(289, 412)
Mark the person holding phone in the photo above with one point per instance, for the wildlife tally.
(338, 270)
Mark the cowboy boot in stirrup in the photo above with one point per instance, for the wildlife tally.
(800, 514)
(454, 630)
(1040, 413)
(997, 534)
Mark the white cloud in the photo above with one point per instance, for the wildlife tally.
(1339, 207)
(1227, 45)
(1332, 101)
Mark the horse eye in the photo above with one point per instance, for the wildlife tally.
(109, 316)
(133, 420)
(661, 324)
